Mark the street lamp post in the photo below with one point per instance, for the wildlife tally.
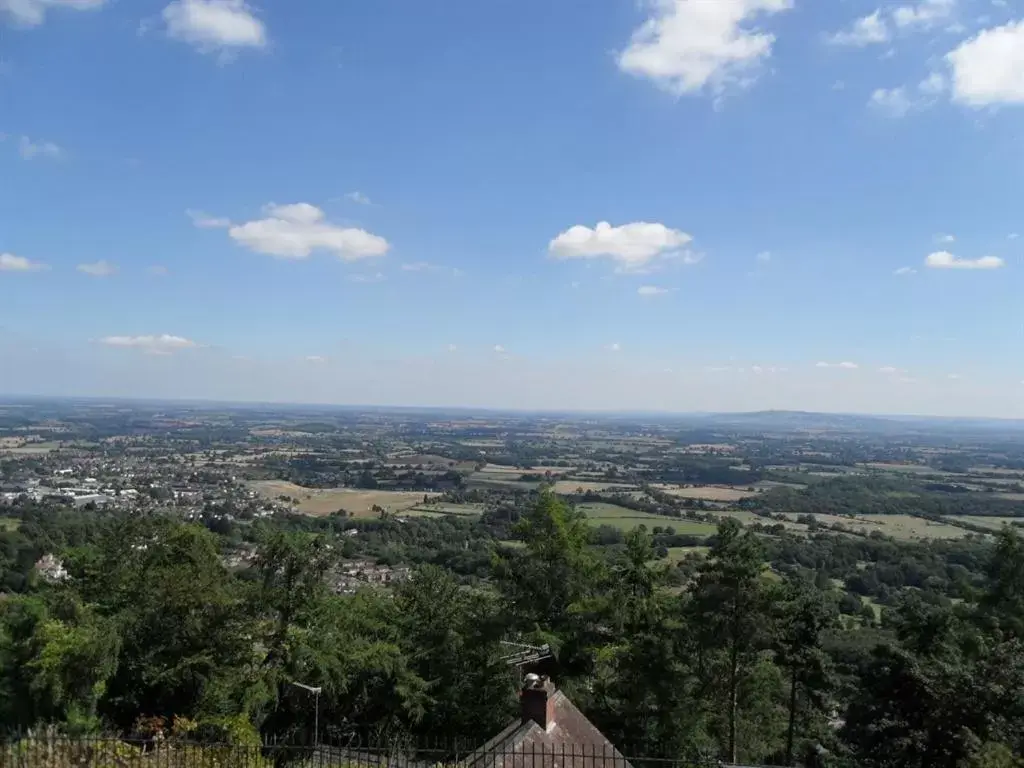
(316, 712)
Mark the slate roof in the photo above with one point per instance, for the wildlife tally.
(570, 741)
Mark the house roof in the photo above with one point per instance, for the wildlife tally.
(570, 741)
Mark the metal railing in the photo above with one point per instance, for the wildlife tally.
(48, 751)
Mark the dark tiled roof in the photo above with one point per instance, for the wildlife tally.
(571, 741)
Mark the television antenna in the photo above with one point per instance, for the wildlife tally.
(526, 654)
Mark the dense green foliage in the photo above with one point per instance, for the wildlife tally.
(751, 653)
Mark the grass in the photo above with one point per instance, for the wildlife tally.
(9, 524)
(571, 486)
(32, 449)
(628, 519)
(440, 509)
(710, 492)
(907, 527)
(986, 521)
(677, 554)
(747, 518)
(320, 502)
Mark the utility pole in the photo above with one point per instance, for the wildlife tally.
(316, 712)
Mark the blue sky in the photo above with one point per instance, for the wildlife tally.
(678, 204)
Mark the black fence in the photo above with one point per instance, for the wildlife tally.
(49, 751)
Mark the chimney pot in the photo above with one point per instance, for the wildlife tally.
(537, 701)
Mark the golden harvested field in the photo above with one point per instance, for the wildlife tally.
(708, 492)
(320, 502)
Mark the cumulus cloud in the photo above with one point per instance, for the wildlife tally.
(946, 260)
(868, 30)
(688, 46)
(99, 268)
(214, 25)
(11, 263)
(632, 246)
(988, 68)
(294, 231)
(30, 149)
(905, 271)
(844, 365)
(942, 238)
(31, 13)
(651, 290)
(163, 344)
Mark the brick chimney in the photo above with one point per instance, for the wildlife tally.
(537, 701)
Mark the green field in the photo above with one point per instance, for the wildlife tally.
(441, 509)
(985, 521)
(676, 554)
(628, 519)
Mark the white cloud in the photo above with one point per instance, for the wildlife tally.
(295, 231)
(933, 85)
(11, 263)
(687, 46)
(893, 101)
(100, 268)
(953, 376)
(615, 347)
(946, 260)
(316, 359)
(164, 344)
(844, 365)
(890, 370)
(868, 30)
(358, 197)
(30, 149)
(633, 246)
(651, 290)
(214, 24)
(945, 238)
(764, 257)
(988, 69)
(925, 13)
(898, 102)
(206, 221)
(157, 270)
(905, 271)
(31, 13)
(499, 349)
